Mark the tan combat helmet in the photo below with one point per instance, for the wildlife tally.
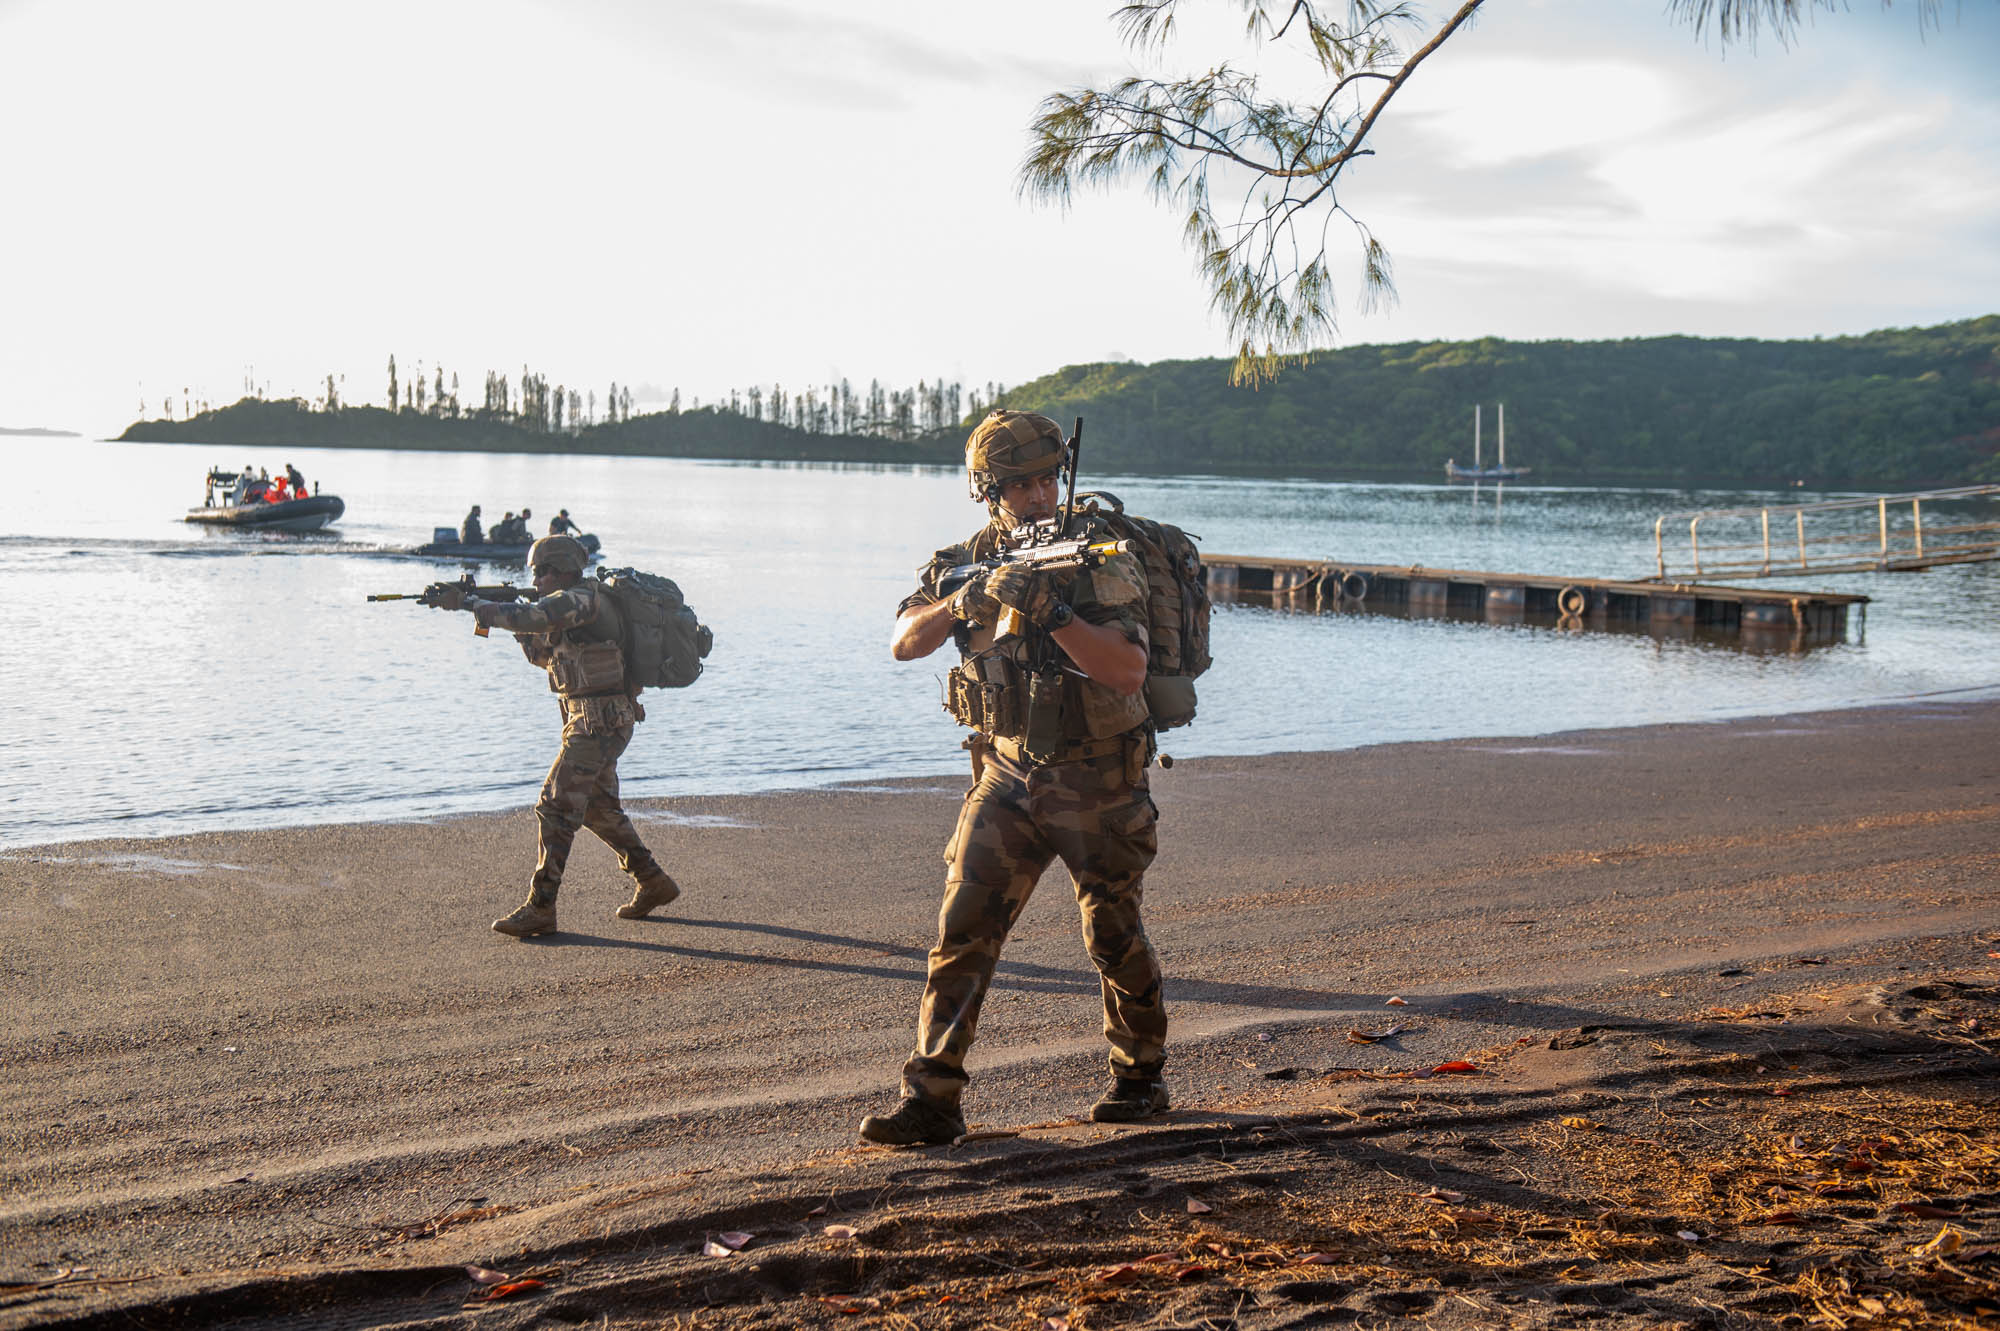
(553, 554)
(1008, 444)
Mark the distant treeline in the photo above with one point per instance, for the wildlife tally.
(1901, 407)
(702, 433)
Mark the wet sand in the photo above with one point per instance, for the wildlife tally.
(290, 1078)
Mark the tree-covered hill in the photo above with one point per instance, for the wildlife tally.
(705, 432)
(1901, 407)
(1892, 409)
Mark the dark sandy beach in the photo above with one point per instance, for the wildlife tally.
(290, 1078)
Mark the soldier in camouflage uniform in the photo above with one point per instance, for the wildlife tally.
(1051, 682)
(573, 632)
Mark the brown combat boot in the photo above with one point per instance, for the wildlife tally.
(915, 1123)
(1130, 1099)
(526, 920)
(650, 892)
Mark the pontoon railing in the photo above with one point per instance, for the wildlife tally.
(1833, 536)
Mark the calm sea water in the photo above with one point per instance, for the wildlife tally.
(162, 678)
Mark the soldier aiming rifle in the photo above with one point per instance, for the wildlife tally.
(572, 627)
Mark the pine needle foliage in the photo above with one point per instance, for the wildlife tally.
(1743, 21)
(1255, 177)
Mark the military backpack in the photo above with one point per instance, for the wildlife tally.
(1177, 606)
(664, 642)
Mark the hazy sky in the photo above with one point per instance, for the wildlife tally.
(707, 195)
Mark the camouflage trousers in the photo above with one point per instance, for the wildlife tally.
(1097, 816)
(582, 791)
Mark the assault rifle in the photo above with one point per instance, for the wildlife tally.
(1041, 546)
(431, 595)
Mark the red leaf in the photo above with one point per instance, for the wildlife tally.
(1319, 1259)
(510, 1289)
(1193, 1271)
(1198, 1207)
(1122, 1274)
(1781, 1090)
(1926, 1210)
(1778, 1218)
(1456, 1065)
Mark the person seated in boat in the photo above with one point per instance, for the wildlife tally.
(470, 532)
(560, 525)
(503, 530)
(522, 531)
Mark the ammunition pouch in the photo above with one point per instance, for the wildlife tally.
(984, 694)
(1170, 700)
(581, 669)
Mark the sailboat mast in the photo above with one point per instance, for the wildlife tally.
(1502, 409)
(1475, 437)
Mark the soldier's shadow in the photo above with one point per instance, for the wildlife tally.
(1028, 977)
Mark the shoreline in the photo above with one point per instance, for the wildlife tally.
(951, 770)
(264, 1075)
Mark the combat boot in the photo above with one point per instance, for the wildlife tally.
(528, 919)
(650, 892)
(1130, 1099)
(915, 1123)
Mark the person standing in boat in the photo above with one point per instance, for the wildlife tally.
(298, 482)
(573, 631)
(470, 532)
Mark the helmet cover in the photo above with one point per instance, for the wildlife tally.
(554, 554)
(1008, 444)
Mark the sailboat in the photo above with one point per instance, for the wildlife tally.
(1500, 471)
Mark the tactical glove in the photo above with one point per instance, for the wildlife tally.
(972, 603)
(1028, 593)
(443, 596)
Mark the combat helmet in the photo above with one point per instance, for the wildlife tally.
(1008, 444)
(557, 554)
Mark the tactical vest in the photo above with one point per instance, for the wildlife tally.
(587, 661)
(995, 693)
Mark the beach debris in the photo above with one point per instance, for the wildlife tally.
(985, 1135)
(726, 1244)
(1396, 1002)
(484, 1276)
(1687, 1235)
(1441, 1196)
(1318, 1259)
(1370, 1037)
(1466, 1216)
(1196, 1207)
(1577, 1123)
(848, 1303)
(1264, 1037)
(1926, 1211)
(840, 1231)
(525, 1285)
(1122, 1274)
(1457, 1065)
(1948, 1240)
(1055, 1324)
(1283, 1074)
(817, 1210)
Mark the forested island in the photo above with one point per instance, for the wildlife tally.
(1896, 408)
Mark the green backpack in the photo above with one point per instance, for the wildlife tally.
(664, 642)
(1177, 606)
